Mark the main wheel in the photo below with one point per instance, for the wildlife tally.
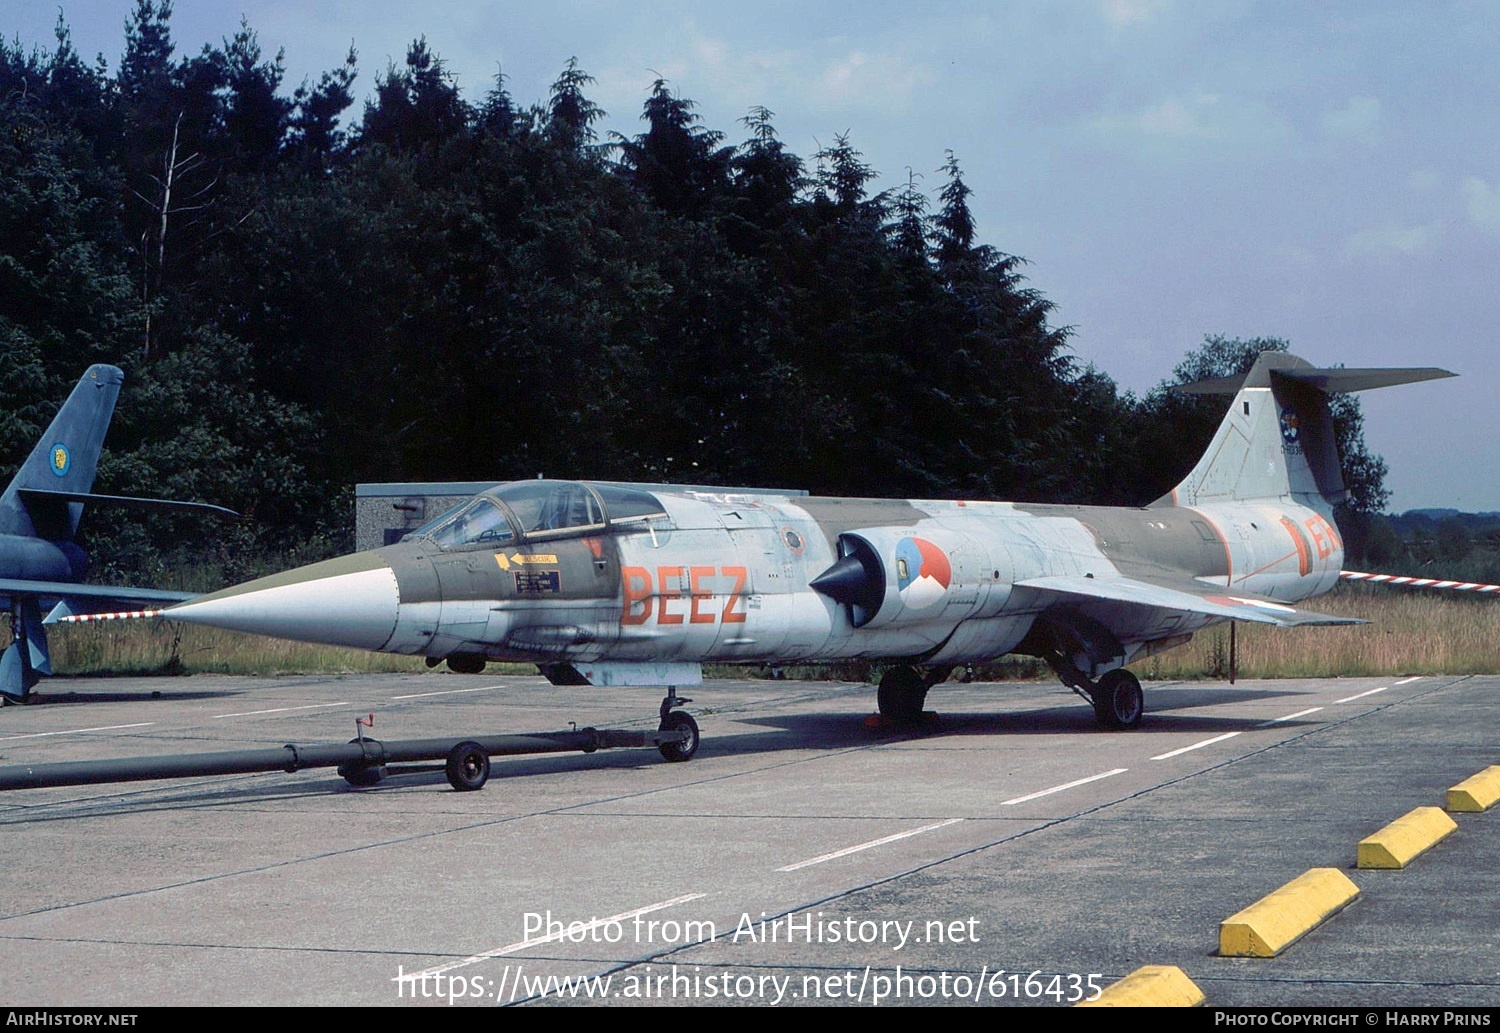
(467, 767)
(466, 663)
(1118, 700)
(680, 751)
(901, 694)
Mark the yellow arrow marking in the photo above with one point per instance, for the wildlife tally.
(523, 559)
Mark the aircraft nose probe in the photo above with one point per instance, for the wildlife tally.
(350, 601)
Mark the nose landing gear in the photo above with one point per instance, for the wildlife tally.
(673, 720)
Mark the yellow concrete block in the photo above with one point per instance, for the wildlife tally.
(1479, 793)
(1150, 986)
(1403, 839)
(1281, 918)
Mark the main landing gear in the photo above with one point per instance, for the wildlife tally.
(1116, 696)
(903, 691)
(1118, 700)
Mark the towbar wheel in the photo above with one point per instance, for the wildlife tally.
(361, 774)
(467, 767)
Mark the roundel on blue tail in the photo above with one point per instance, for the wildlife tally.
(923, 572)
(62, 459)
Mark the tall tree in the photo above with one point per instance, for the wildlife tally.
(909, 231)
(256, 116)
(953, 225)
(315, 126)
(570, 114)
(843, 176)
(676, 163)
(416, 106)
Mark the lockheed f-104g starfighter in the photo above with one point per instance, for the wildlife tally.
(612, 584)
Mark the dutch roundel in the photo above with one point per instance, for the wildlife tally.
(923, 572)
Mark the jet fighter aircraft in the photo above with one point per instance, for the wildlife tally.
(39, 515)
(610, 584)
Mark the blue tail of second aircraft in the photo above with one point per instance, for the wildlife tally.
(39, 513)
(63, 463)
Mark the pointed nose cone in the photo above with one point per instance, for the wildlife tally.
(350, 601)
(855, 580)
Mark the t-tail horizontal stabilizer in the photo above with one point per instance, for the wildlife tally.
(1277, 441)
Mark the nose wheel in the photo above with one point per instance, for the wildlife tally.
(673, 720)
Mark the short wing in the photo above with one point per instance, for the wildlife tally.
(74, 599)
(1184, 595)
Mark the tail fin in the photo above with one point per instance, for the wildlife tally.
(65, 460)
(1277, 440)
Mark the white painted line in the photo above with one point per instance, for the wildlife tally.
(1067, 785)
(1361, 695)
(283, 710)
(77, 731)
(1197, 745)
(1290, 717)
(574, 930)
(866, 846)
(1408, 681)
(448, 692)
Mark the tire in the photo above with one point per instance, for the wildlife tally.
(467, 767)
(360, 776)
(677, 752)
(901, 695)
(1118, 700)
(466, 663)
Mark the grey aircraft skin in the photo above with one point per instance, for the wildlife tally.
(40, 562)
(612, 584)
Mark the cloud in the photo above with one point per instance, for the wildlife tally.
(1174, 117)
(1483, 202)
(1203, 123)
(1358, 120)
(858, 80)
(1121, 13)
(1391, 241)
(826, 75)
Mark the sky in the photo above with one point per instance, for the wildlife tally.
(1325, 173)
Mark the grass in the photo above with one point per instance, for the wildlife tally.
(1411, 632)
(162, 647)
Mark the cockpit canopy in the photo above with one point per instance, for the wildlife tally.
(539, 509)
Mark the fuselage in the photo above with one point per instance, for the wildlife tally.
(550, 572)
(37, 559)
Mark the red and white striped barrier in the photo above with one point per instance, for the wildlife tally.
(79, 618)
(1417, 582)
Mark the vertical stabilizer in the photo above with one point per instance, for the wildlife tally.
(65, 459)
(1277, 440)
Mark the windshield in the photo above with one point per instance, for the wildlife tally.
(538, 509)
(480, 521)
